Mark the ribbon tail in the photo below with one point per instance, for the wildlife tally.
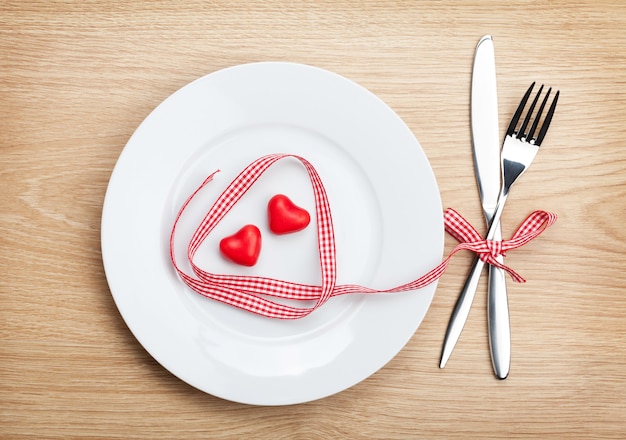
(514, 275)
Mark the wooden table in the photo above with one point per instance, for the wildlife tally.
(77, 78)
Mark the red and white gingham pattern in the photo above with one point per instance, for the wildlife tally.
(244, 291)
(488, 250)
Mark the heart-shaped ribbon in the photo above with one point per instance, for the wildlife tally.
(245, 291)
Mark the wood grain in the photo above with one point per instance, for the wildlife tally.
(77, 78)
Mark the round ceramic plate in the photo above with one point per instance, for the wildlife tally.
(386, 210)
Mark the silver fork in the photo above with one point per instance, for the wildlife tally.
(518, 151)
(521, 146)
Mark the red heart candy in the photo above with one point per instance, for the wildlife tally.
(285, 217)
(243, 247)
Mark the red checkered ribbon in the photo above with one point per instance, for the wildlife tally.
(251, 292)
(488, 250)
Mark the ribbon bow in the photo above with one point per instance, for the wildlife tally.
(249, 293)
(488, 250)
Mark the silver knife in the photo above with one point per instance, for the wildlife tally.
(486, 147)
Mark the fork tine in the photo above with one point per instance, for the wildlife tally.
(522, 131)
(547, 120)
(518, 112)
(531, 132)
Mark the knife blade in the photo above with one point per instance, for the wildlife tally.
(486, 149)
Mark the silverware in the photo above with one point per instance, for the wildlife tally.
(521, 146)
(519, 150)
(486, 148)
(497, 303)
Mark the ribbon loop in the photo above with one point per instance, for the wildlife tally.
(489, 250)
(249, 293)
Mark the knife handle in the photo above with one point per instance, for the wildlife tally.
(499, 325)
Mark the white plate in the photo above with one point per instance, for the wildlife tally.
(386, 209)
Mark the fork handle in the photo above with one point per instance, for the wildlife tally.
(461, 311)
(494, 223)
